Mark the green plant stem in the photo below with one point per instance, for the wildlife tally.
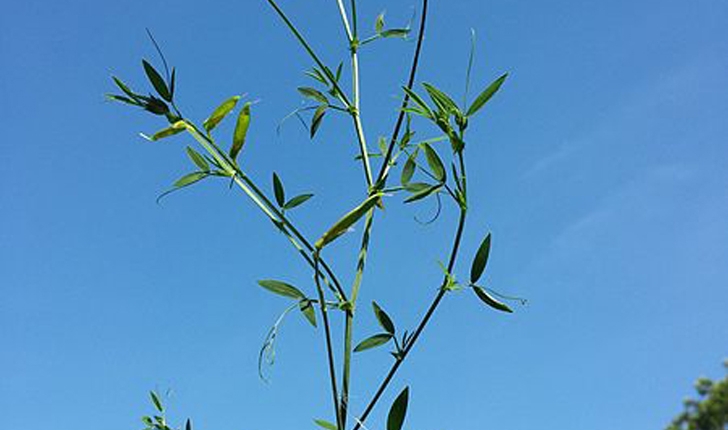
(349, 322)
(420, 327)
(310, 52)
(329, 348)
(348, 325)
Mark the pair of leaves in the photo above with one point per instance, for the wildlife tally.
(388, 33)
(345, 222)
(476, 272)
(280, 195)
(285, 289)
(381, 338)
(241, 126)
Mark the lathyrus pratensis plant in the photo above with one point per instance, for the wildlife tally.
(218, 158)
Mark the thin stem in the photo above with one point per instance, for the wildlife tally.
(420, 327)
(329, 348)
(349, 322)
(384, 170)
(345, 21)
(310, 51)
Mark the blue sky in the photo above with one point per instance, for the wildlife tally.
(599, 168)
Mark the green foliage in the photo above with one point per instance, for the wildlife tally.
(439, 173)
(709, 411)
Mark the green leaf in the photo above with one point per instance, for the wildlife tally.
(148, 421)
(419, 195)
(220, 113)
(122, 99)
(198, 159)
(343, 224)
(424, 110)
(383, 319)
(190, 179)
(409, 169)
(435, 163)
(379, 23)
(373, 342)
(316, 74)
(308, 311)
(176, 128)
(318, 116)
(395, 419)
(123, 87)
(313, 94)
(395, 32)
(278, 190)
(241, 131)
(155, 400)
(157, 81)
(172, 82)
(489, 300)
(486, 95)
(441, 99)
(297, 201)
(416, 187)
(480, 260)
(325, 424)
(282, 288)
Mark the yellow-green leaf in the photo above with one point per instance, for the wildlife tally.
(220, 113)
(241, 131)
(343, 224)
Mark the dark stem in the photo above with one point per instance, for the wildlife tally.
(428, 315)
(410, 83)
(329, 349)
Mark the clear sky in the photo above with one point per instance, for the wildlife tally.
(600, 169)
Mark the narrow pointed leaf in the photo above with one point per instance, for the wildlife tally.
(172, 82)
(282, 288)
(308, 311)
(313, 94)
(241, 131)
(383, 319)
(398, 411)
(325, 424)
(409, 169)
(395, 32)
(155, 400)
(176, 128)
(441, 98)
(480, 260)
(435, 163)
(123, 87)
(318, 116)
(343, 224)
(379, 23)
(188, 424)
(190, 179)
(278, 190)
(486, 95)
(157, 82)
(490, 301)
(373, 342)
(118, 98)
(421, 104)
(419, 195)
(198, 159)
(297, 201)
(416, 187)
(220, 113)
